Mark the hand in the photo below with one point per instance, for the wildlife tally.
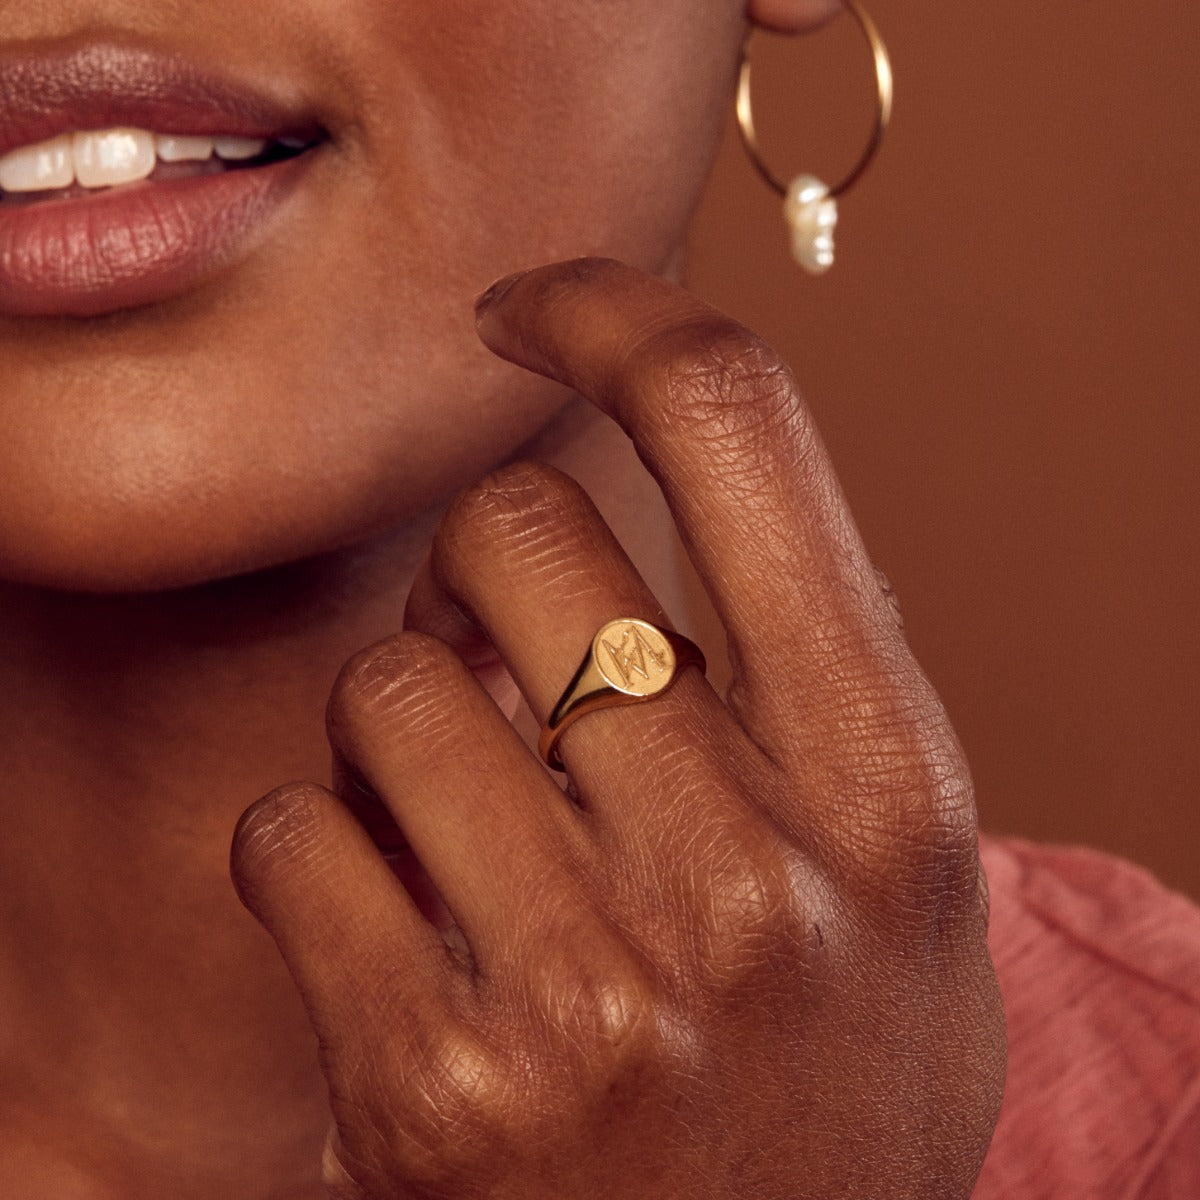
(748, 961)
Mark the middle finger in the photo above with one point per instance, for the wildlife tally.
(718, 420)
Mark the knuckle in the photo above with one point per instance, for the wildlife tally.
(900, 767)
(755, 906)
(403, 677)
(917, 781)
(716, 380)
(457, 1076)
(910, 804)
(440, 1107)
(599, 1007)
(595, 1004)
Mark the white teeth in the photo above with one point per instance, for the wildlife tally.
(236, 149)
(103, 158)
(183, 149)
(39, 168)
(113, 156)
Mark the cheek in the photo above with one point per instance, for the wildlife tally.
(525, 131)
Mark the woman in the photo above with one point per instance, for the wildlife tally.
(746, 955)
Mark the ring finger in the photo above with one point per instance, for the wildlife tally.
(528, 558)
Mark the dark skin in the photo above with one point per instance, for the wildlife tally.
(749, 964)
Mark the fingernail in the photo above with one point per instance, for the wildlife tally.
(497, 292)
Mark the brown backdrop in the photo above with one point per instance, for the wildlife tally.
(1004, 363)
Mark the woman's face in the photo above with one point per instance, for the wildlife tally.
(280, 363)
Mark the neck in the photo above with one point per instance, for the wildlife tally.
(146, 1018)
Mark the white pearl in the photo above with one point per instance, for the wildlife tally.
(812, 214)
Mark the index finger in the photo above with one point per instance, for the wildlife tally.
(718, 420)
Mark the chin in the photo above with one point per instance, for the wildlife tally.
(197, 514)
(154, 555)
(190, 530)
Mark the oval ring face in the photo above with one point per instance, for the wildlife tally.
(634, 657)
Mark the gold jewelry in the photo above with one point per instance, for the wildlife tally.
(810, 206)
(628, 662)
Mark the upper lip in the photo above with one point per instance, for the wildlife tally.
(102, 86)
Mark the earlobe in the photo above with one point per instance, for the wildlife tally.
(791, 16)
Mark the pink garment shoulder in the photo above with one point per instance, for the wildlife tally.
(1099, 967)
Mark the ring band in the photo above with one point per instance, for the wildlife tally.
(629, 662)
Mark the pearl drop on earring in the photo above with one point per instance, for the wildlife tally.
(810, 206)
(812, 214)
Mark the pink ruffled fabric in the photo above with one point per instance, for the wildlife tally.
(1099, 966)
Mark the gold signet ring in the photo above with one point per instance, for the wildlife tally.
(629, 662)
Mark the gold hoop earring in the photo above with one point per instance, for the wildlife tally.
(810, 206)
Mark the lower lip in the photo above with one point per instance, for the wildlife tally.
(134, 245)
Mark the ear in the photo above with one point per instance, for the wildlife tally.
(791, 16)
